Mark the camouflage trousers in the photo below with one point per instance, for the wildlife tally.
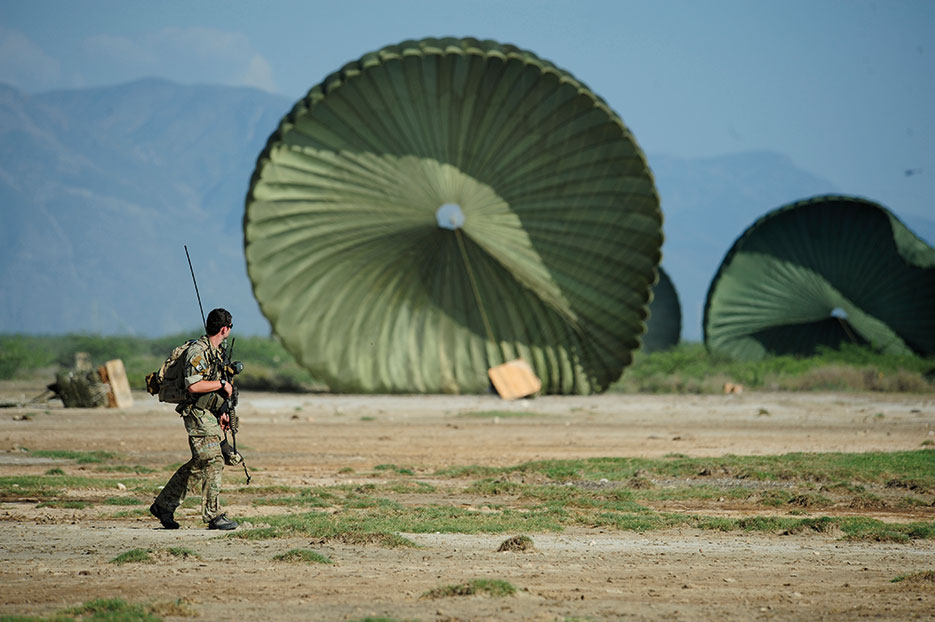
(201, 473)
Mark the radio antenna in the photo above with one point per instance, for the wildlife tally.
(200, 308)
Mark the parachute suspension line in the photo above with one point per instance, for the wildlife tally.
(480, 306)
(841, 316)
(847, 330)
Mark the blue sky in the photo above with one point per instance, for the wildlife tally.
(845, 88)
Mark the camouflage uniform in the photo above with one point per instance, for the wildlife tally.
(203, 471)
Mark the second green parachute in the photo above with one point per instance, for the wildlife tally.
(824, 271)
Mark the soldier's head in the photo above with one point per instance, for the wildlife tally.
(218, 319)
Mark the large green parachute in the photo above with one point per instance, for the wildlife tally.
(442, 206)
(821, 272)
(664, 325)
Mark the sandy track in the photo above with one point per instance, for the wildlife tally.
(54, 558)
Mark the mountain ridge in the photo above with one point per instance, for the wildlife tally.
(102, 187)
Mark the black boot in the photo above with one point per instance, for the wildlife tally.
(165, 516)
(222, 522)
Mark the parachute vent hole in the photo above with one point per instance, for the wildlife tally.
(449, 216)
(839, 313)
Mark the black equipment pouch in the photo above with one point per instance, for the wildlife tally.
(231, 457)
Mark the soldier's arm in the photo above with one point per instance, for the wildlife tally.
(196, 365)
(206, 386)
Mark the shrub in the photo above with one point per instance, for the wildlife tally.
(690, 368)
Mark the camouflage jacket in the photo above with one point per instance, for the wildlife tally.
(202, 362)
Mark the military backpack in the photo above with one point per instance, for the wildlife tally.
(168, 382)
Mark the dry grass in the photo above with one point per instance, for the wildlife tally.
(845, 378)
(516, 544)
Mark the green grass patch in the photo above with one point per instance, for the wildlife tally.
(99, 610)
(346, 495)
(470, 470)
(134, 513)
(859, 528)
(81, 457)
(303, 555)
(361, 502)
(133, 556)
(625, 521)
(347, 536)
(695, 492)
(182, 552)
(496, 487)
(916, 468)
(122, 501)
(44, 486)
(925, 577)
(424, 519)
(113, 610)
(394, 468)
(65, 504)
(409, 487)
(580, 502)
(779, 498)
(853, 528)
(386, 540)
(495, 588)
(177, 608)
(822, 524)
(26, 618)
(448, 519)
(310, 497)
(549, 496)
(257, 533)
(266, 490)
(291, 501)
(124, 468)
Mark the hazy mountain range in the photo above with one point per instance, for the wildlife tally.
(101, 188)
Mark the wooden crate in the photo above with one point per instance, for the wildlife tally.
(115, 375)
(514, 379)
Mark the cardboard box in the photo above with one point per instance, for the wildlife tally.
(115, 375)
(514, 379)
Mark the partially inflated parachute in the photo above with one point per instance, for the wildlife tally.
(664, 326)
(824, 271)
(442, 206)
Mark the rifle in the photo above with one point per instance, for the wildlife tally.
(229, 369)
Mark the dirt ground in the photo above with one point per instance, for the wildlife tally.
(52, 558)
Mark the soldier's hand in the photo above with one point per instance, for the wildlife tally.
(228, 389)
(225, 422)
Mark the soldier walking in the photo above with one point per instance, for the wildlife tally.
(207, 393)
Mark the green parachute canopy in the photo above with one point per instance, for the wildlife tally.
(443, 206)
(664, 326)
(821, 272)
